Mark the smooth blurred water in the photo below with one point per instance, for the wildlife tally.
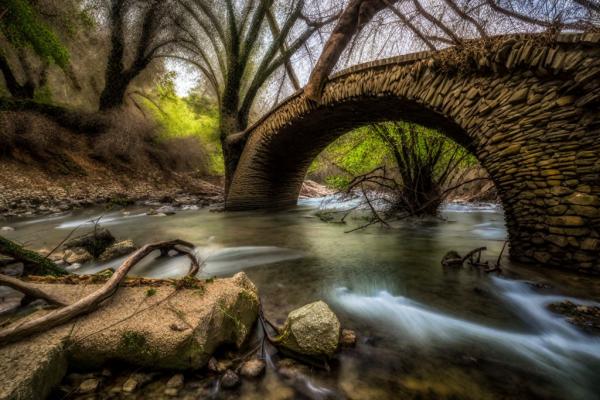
(425, 331)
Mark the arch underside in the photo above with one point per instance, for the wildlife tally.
(529, 113)
(279, 168)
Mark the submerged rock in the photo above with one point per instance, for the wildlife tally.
(7, 229)
(582, 316)
(117, 250)
(77, 255)
(312, 330)
(164, 210)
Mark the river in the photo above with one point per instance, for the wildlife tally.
(424, 331)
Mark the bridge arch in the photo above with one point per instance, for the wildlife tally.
(528, 107)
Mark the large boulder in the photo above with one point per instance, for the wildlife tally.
(95, 242)
(155, 325)
(31, 368)
(167, 327)
(312, 330)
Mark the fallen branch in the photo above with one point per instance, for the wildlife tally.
(28, 289)
(93, 300)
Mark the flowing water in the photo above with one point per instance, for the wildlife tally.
(424, 331)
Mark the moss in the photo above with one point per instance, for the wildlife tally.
(187, 282)
(135, 343)
(34, 262)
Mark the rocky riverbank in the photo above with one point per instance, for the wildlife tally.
(28, 190)
(155, 339)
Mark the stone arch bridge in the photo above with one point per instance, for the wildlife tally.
(527, 106)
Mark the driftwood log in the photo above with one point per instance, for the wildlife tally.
(93, 300)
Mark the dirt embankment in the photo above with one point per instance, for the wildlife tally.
(46, 168)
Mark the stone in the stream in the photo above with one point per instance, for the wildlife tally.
(7, 229)
(77, 255)
(252, 368)
(117, 250)
(89, 386)
(94, 242)
(312, 330)
(583, 316)
(162, 211)
(176, 381)
(230, 379)
(348, 338)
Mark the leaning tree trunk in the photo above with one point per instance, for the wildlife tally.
(356, 15)
(32, 261)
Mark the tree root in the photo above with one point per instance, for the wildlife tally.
(29, 290)
(93, 300)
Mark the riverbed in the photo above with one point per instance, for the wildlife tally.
(424, 331)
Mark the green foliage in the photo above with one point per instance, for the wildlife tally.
(194, 115)
(150, 292)
(363, 150)
(23, 27)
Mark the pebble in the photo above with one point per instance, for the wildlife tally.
(253, 368)
(230, 379)
(130, 385)
(89, 385)
(176, 381)
(173, 392)
(348, 338)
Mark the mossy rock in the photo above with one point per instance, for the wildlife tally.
(312, 330)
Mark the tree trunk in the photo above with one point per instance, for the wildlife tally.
(34, 263)
(16, 90)
(113, 95)
(232, 145)
(352, 20)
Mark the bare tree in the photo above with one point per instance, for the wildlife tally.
(150, 27)
(441, 23)
(238, 49)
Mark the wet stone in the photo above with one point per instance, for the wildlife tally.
(176, 381)
(253, 368)
(348, 338)
(89, 386)
(230, 379)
